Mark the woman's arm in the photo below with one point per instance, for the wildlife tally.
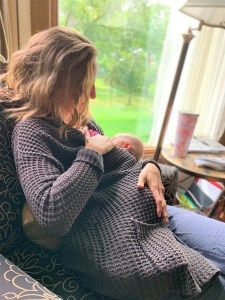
(55, 197)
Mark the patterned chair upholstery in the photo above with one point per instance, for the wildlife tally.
(16, 284)
(42, 267)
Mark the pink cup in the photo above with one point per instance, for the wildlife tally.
(185, 128)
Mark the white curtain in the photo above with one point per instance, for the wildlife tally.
(201, 89)
(205, 88)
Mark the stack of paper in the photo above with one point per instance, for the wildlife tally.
(205, 145)
(213, 162)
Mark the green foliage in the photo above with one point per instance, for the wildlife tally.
(110, 110)
(129, 36)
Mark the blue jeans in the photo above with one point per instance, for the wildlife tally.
(206, 236)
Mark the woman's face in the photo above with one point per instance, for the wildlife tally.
(82, 102)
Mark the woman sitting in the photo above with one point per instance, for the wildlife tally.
(107, 208)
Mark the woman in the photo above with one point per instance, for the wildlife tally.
(85, 190)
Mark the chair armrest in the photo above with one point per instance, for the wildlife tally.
(15, 284)
(170, 182)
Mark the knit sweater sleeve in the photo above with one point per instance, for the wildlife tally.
(55, 197)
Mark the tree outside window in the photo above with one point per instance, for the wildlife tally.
(129, 36)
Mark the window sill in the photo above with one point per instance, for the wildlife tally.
(149, 152)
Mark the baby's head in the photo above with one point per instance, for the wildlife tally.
(130, 142)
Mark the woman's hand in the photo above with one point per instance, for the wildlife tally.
(150, 176)
(100, 143)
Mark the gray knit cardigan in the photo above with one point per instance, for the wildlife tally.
(109, 230)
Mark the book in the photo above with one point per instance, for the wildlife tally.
(185, 201)
(204, 193)
(203, 145)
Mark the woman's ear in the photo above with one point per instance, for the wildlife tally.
(93, 92)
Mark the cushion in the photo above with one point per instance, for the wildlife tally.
(35, 232)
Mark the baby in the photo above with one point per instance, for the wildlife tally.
(129, 142)
(123, 140)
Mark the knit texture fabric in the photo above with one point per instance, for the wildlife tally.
(109, 230)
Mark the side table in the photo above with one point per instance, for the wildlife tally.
(188, 166)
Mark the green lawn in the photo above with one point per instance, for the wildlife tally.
(111, 110)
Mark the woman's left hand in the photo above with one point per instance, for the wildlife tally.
(150, 176)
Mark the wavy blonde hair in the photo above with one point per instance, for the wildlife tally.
(57, 66)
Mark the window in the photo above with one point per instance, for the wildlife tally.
(129, 36)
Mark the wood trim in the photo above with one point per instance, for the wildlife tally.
(24, 22)
(54, 13)
(40, 16)
(149, 152)
(44, 14)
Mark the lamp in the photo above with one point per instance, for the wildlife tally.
(208, 12)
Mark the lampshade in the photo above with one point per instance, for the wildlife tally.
(210, 12)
